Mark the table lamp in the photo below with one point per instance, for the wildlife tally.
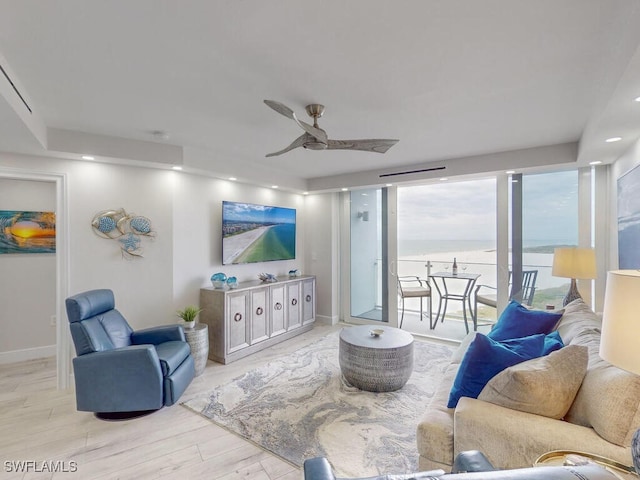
(620, 331)
(573, 262)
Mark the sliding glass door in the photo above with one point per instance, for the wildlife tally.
(369, 288)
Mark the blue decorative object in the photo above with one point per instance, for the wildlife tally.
(294, 273)
(106, 224)
(267, 277)
(127, 229)
(140, 224)
(130, 243)
(486, 357)
(518, 321)
(218, 280)
(232, 282)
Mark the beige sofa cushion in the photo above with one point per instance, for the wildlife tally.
(434, 434)
(609, 398)
(608, 401)
(544, 386)
(577, 317)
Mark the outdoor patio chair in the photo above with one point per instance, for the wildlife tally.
(415, 287)
(524, 295)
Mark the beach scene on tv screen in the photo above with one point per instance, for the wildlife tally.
(257, 233)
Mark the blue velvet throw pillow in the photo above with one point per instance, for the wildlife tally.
(486, 357)
(518, 321)
(552, 342)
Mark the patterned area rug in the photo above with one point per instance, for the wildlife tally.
(300, 407)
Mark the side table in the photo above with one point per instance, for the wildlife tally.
(198, 339)
(572, 458)
(380, 363)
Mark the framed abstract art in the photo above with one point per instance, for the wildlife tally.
(27, 232)
(629, 220)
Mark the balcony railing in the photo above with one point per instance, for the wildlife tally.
(549, 290)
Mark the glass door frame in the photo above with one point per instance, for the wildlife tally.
(389, 260)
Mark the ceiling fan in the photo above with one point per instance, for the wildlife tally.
(315, 138)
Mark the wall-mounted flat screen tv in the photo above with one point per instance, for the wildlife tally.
(257, 233)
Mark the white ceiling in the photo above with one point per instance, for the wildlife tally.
(448, 78)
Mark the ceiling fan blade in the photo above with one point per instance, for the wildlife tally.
(298, 142)
(282, 109)
(320, 135)
(368, 145)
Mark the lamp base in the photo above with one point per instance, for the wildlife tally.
(572, 294)
(635, 451)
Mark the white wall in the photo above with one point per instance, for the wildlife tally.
(197, 237)
(27, 281)
(626, 162)
(322, 257)
(143, 286)
(185, 211)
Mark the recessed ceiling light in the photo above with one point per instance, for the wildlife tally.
(305, 193)
(88, 157)
(177, 167)
(233, 179)
(595, 162)
(637, 99)
(389, 185)
(444, 179)
(160, 135)
(274, 186)
(345, 189)
(510, 172)
(613, 139)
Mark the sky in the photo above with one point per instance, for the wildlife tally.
(466, 210)
(249, 212)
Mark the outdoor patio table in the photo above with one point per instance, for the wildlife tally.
(440, 283)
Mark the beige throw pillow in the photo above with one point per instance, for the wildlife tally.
(543, 386)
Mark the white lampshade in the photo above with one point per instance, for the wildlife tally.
(573, 262)
(621, 320)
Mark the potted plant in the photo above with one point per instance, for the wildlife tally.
(189, 314)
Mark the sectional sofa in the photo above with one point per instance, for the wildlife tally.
(598, 414)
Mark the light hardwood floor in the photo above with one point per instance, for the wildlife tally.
(39, 423)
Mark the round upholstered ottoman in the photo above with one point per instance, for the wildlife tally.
(381, 363)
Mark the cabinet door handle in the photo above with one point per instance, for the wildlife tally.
(277, 306)
(237, 317)
(294, 301)
(308, 298)
(259, 311)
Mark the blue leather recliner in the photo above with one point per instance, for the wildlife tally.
(119, 370)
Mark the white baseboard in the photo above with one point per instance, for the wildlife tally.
(327, 320)
(15, 356)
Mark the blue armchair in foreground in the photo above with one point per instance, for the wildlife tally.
(119, 370)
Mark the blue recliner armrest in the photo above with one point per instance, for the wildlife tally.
(120, 380)
(158, 335)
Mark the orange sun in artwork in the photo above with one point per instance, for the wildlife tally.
(27, 229)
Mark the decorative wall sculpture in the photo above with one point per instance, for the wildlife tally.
(127, 229)
(27, 232)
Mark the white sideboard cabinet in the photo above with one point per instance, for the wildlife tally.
(256, 315)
